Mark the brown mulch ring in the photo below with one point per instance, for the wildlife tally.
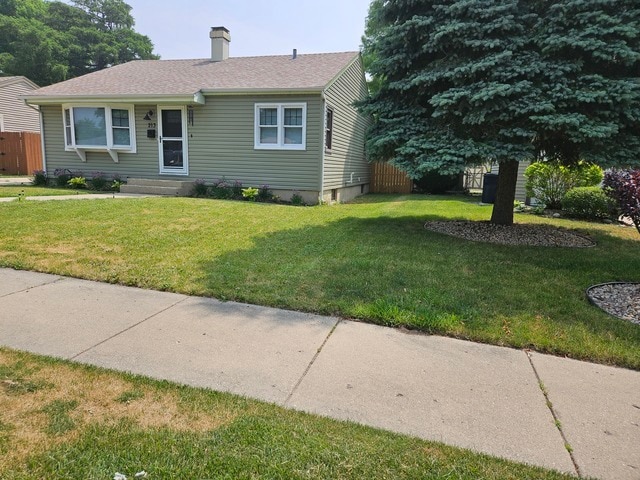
(620, 299)
(517, 234)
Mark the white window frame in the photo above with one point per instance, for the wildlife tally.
(280, 145)
(71, 145)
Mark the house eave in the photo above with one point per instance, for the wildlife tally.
(190, 99)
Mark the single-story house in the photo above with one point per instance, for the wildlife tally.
(15, 115)
(283, 121)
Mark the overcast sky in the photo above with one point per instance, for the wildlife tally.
(180, 28)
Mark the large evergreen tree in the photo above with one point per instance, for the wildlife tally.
(52, 41)
(463, 82)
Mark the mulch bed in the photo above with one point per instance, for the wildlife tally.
(517, 234)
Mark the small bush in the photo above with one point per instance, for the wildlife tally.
(590, 203)
(548, 182)
(264, 194)
(297, 200)
(221, 190)
(236, 190)
(99, 181)
(40, 178)
(200, 188)
(623, 187)
(250, 193)
(77, 182)
(62, 177)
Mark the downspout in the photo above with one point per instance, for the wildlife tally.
(44, 157)
(322, 158)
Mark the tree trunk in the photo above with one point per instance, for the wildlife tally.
(502, 213)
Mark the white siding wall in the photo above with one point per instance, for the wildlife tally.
(521, 194)
(17, 117)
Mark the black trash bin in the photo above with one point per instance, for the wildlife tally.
(489, 187)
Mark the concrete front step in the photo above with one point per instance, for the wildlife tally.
(157, 187)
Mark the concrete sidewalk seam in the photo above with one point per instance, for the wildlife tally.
(128, 328)
(306, 370)
(556, 420)
(59, 279)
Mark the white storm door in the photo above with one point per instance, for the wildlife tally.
(172, 141)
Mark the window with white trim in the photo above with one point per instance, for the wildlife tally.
(281, 126)
(328, 129)
(99, 127)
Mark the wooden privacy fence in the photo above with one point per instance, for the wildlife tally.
(20, 153)
(386, 178)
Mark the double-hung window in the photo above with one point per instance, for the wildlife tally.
(328, 129)
(281, 126)
(100, 127)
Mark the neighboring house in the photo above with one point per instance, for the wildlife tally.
(521, 193)
(15, 115)
(284, 121)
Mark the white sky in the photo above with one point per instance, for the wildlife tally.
(180, 28)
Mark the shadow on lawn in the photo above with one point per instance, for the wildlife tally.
(390, 270)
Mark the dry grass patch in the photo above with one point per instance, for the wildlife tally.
(30, 394)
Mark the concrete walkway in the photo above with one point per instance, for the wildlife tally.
(480, 397)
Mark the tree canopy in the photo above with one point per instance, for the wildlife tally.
(48, 42)
(467, 81)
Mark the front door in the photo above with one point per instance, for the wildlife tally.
(172, 140)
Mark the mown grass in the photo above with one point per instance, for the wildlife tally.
(76, 426)
(33, 191)
(371, 260)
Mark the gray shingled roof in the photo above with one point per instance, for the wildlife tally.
(187, 77)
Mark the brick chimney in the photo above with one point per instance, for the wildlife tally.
(220, 39)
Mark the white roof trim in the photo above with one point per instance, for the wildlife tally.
(196, 98)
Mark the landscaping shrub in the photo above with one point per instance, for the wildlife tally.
(623, 186)
(40, 178)
(77, 182)
(98, 181)
(590, 203)
(62, 176)
(549, 182)
(200, 188)
(297, 200)
(221, 190)
(436, 183)
(236, 190)
(264, 194)
(250, 193)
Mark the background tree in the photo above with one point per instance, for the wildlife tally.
(52, 41)
(468, 81)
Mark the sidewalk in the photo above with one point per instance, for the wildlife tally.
(475, 396)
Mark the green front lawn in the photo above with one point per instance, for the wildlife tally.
(32, 191)
(370, 260)
(66, 421)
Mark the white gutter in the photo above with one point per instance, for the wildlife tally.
(195, 98)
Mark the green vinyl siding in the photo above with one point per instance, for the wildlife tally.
(346, 164)
(142, 164)
(221, 144)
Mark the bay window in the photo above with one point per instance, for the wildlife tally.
(99, 127)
